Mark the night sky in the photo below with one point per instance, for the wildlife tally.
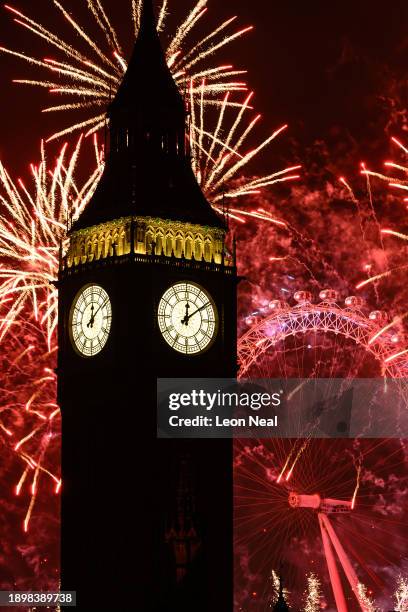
(327, 69)
(336, 73)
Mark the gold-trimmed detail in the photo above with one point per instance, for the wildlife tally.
(146, 236)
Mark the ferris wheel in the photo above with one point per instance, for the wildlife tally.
(320, 334)
(304, 486)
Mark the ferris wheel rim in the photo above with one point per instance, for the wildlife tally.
(326, 317)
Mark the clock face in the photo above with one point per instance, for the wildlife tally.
(187, 318)
(90, 320)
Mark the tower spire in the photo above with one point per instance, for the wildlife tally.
(148, 170)
(147, 18)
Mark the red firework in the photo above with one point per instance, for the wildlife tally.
(30, 440)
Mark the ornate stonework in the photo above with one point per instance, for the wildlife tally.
(146, 236)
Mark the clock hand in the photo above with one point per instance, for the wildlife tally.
(93, 314)
(92, 319)
(195, 312)
(101, 306)
(184, 320)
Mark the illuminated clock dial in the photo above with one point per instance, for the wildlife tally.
(187, 318)
(90, 320)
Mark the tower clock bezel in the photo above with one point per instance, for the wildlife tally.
(216, 321)
(74, 344)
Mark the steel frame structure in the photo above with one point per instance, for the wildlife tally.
(332, 545)
(279, 320)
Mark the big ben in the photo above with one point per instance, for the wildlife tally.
(147, 289)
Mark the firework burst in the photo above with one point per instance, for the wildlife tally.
(88, 81)
(29, 415)
(35, 218)
(33, 233)
(218, 160)
(313, 594)
(401, 595)
(400, 182)
(365, 600)
(217, 152)
(374, 242)
(276, 585)
(33, 226)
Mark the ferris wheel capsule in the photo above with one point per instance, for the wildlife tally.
(355, 302)
(329, 295)
(293, 499)
(277, 305)
(378, 315)
(303, 297)
(297, 500)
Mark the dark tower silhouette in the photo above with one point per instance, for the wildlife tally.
(182, 534)
(147, 230)
(281, 604)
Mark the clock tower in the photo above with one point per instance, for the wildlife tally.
(147, 289)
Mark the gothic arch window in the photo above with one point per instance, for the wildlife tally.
(107, 244)
(101, 245)
(149, 240)
(114, 241)
(159, 243)
(188, 249)
(80, 250)
(169, 244)
(207, 250)
(94, 246)
(122, 242)
(88, 248)
(198, 250)
(179, 251)
(140, 232)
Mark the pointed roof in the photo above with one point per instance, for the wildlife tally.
(148, 78)
(148, 171)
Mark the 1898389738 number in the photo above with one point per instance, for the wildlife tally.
(37, 598)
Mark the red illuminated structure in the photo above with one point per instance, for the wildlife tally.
(278, 321)
(331, 544)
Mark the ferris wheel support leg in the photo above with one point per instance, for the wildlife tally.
(344, 560)
(332, 567)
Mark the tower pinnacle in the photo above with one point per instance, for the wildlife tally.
(147, 20)
(148, 171)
